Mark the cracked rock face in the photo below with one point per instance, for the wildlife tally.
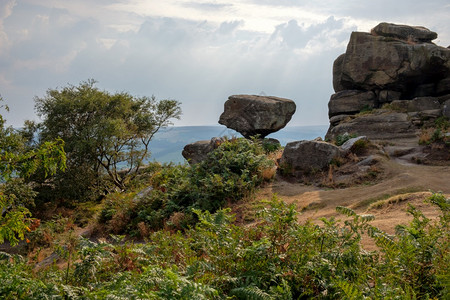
(374, 62)
(252, 115)
(394, 65)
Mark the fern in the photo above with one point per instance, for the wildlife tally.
(350, 290)
(346, 211)
(251, 293)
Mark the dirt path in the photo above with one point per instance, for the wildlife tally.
(413, 182)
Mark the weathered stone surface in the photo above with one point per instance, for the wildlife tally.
(443, 86)
(369, 161)
(377, 62)
(350, 102)
(338, 119)
(446, 109)
(405, 32)
(430, 114)
(417, 104)
(251, 115)
(198, 151)
(376, 126)
(348, 145)
(386, 96)
(393, 62)
(337, 73)
(306, 156)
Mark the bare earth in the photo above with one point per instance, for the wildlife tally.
(402, 183)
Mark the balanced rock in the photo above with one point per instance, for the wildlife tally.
(252, 115)
(307, 156)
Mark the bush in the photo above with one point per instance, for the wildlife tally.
(341, 139)
(229, 173)
(275, 258)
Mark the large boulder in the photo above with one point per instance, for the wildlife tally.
(396, 73)
(351, 102)
(374, 62)
(407, 33)
(252, 115)
(198, 151)
(383, 125)
(307, 156)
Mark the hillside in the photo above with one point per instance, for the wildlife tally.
(401, 183)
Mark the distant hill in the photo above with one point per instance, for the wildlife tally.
(168, 143)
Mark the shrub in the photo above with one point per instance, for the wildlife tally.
(341, 139)
(229, 173)
(275, 258)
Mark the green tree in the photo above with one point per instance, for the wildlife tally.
(104, 133)
(17, 162)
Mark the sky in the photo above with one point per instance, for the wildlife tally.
(198, 52)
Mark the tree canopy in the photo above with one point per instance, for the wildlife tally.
(17, 161)
(104, 133)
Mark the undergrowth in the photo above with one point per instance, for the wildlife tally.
(228, 174)
(276, 258)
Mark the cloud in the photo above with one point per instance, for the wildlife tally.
(5, 11)
(198, 52)
(208, 6)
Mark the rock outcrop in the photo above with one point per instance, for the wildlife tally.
(394, 64)
(252, 115)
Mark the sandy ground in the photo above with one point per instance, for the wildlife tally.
(408, 182)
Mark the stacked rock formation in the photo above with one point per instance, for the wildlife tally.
(250, 115)
(396, 65)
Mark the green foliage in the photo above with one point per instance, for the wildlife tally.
(437, 133)
(17, 162)
(275, 258)
(228, 174)
(341, 139)
(105, 135)
(270, 146)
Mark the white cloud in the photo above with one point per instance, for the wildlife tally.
(196, 51)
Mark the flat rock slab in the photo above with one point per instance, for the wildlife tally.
(405, 32)
(252, 115)
(376, 126)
